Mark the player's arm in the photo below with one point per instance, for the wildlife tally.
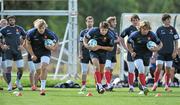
(130, 42)
(53, 37)
(3, 43)
(81, 44)
(122, 36)
(29, 47)
(158, 43)
(107, 48)
(176, 38)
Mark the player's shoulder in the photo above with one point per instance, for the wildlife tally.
(31, 31)
(19, 27)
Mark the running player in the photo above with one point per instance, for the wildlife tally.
(39, 52)
(140, 53)
(14, 36)
(126, 32)
(84, 55)
(111, 56)
(169, 37)
(105, 43)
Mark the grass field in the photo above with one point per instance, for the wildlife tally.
(120, 96)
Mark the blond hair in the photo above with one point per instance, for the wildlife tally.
(144, 24)
(111, 18)
(40, 23)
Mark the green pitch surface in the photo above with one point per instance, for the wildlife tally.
(71, 97)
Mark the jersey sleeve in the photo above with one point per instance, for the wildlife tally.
(175, 35)
(124, 33)
(131, 38)
(23, 32)
(81, 36)
(155, 38)
(90, 33)
(53, 36)
(29, 34)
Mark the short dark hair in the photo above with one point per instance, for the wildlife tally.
(104, 24)
(89, 18)
(135, 16)
(165, 16)
(10, 16)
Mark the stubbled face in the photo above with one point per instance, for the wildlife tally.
(144, 30)
(113, 24)
(11, 21)
(103, 31)
(41, 30)
(135, 22)
(167, 22)
(90, 23)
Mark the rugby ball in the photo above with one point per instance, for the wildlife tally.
(49, 42)
(151, 45)
(92, 43)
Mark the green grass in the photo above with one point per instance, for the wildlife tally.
(71, 97)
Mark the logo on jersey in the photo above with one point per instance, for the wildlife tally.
(104, 39)
(162, 32)
(17, 31)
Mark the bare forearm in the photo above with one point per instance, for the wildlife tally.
(130, 49)
(107, 48)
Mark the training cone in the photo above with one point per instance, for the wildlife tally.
(89, 94)
(158, 95)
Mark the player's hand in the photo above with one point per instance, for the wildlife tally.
(5, 47)
(118, 51)
(80, 56)
(174, 54)
(154, 49)
(133, 54)
(20, 47)
(33, 57)
(96, 48)
(53, 48)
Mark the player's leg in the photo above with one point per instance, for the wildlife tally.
(97, 74)
(20, 66)
(32, 70)
(159, 65)
(168, 66)
(131, 69)
(45, 60)
(8, 64)
(142, 78)
(84, 69)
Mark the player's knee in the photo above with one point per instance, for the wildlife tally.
(108, 64)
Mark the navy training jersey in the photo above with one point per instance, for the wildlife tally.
(128, 31)
(167, 35)
(82, 34)
(102, 40)
(139, 41)
(12, 36)
(37, 41)
(114, 36)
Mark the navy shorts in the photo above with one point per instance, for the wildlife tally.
(101, 56)
(112, 57)
(145, 57)
(86, 59)
(129, 57)
(165, 57)
(13, 55)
